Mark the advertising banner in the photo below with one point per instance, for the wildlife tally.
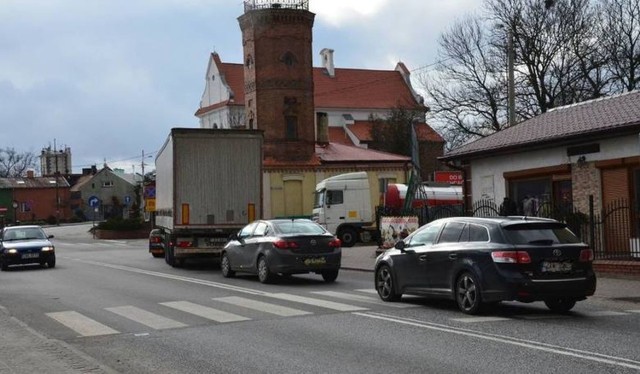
(393, 229)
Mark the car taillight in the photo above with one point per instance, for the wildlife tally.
(335, 243)
(511, 257)
(285, 244)
(155, 239)
(185, 244)
(586, 255)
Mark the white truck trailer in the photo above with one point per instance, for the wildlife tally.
(208, 186)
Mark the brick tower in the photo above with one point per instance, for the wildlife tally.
(278, 76)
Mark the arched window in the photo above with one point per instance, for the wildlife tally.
(289, 59)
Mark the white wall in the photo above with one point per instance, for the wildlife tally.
(487, 173)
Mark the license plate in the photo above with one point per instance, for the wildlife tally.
(556, 267)
(31, 255)
(315, 261)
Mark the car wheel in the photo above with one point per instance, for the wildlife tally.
(348, 237)
(329, 275)
(51, 263)
(264, 274)
(560, 305)
(468, 294)
(384, 284)
(4, 266)
(225, 267)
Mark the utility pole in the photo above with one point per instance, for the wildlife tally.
(511, 91)
(57, 173)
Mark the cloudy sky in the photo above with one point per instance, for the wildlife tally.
(109, 78)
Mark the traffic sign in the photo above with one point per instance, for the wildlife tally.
(94, 202)
(127, 199)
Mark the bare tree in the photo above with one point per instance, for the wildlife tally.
(620, 36)
(14, 164)
(468, 89)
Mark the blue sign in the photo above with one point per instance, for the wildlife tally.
(127, 200)
(94, 202)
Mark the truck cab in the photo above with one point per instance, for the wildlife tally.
(343, 206)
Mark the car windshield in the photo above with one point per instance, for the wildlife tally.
(299, 227)
(24, 234)
(540, 234)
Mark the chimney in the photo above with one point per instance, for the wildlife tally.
(327, 61)
(322, 120)
(30, 174)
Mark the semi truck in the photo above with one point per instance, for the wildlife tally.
(208, 186)
(343, 204)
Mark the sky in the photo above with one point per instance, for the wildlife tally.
(110, 78)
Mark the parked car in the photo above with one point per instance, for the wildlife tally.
(26, 245)
(479, 261)
(282, 246)
(156, 243)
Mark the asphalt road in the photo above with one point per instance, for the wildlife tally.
(111, 302)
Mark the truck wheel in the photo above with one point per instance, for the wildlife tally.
(348, 237)
(169, 258)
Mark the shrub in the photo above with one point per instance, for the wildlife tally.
(119, 224)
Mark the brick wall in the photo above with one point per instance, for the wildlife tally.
(586, 180)
(617, 268)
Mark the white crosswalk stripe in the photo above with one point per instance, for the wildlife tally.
(361, 298)
(205, 311)
(544, 316)
(81, 324)
(480, 319)
(603, 313)
(316, 302)
(146, 318)
(368, 290)
(262, 306)
(633, 311)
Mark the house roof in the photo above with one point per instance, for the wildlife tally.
(338, 135)
(336, 152)
(348, 88)
(35, 182)
(362, 131)
(604, 117)
(81, 182)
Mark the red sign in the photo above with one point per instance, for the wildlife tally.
(450, 177)
(3, 209)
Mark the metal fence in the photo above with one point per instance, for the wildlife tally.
(613, 233)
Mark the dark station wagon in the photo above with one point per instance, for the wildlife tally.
(479, 261)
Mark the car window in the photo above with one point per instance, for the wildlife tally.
(24, 234)
(261, 229)
(540, 234)
(451, 232)
(299, 227)
(426, 235)
(247, 230)
(478, 233)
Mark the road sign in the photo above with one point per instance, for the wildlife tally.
(127, 199)
(94, 202)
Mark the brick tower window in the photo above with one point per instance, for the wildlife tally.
(292, 127)
(289, 59)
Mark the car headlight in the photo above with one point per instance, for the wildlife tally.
(12, 251)
(47, 249)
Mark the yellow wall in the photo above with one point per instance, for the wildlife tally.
(296, 187)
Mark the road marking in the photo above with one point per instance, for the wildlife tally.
(316, 302)
(480, 319)
(262, 306)
(543, 316)
(364, 299)
(604, 313)
(633, 311)
(84, 326)
(530, 344)
(368, 290)
(205, 311)
(146, 318)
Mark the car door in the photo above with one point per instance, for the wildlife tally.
(252, 245)
(409, 265)
(441, 257)
(237, 256)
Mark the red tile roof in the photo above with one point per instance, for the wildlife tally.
(335, 152)
(338, 135)
(362, 131)
(605, 117)
(349, 88)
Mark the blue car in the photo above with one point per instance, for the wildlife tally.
(20, 245)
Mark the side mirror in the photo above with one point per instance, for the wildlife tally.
(233, 236)
(50, 237)
(400, 245)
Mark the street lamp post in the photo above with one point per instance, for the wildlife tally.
(15, 212)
